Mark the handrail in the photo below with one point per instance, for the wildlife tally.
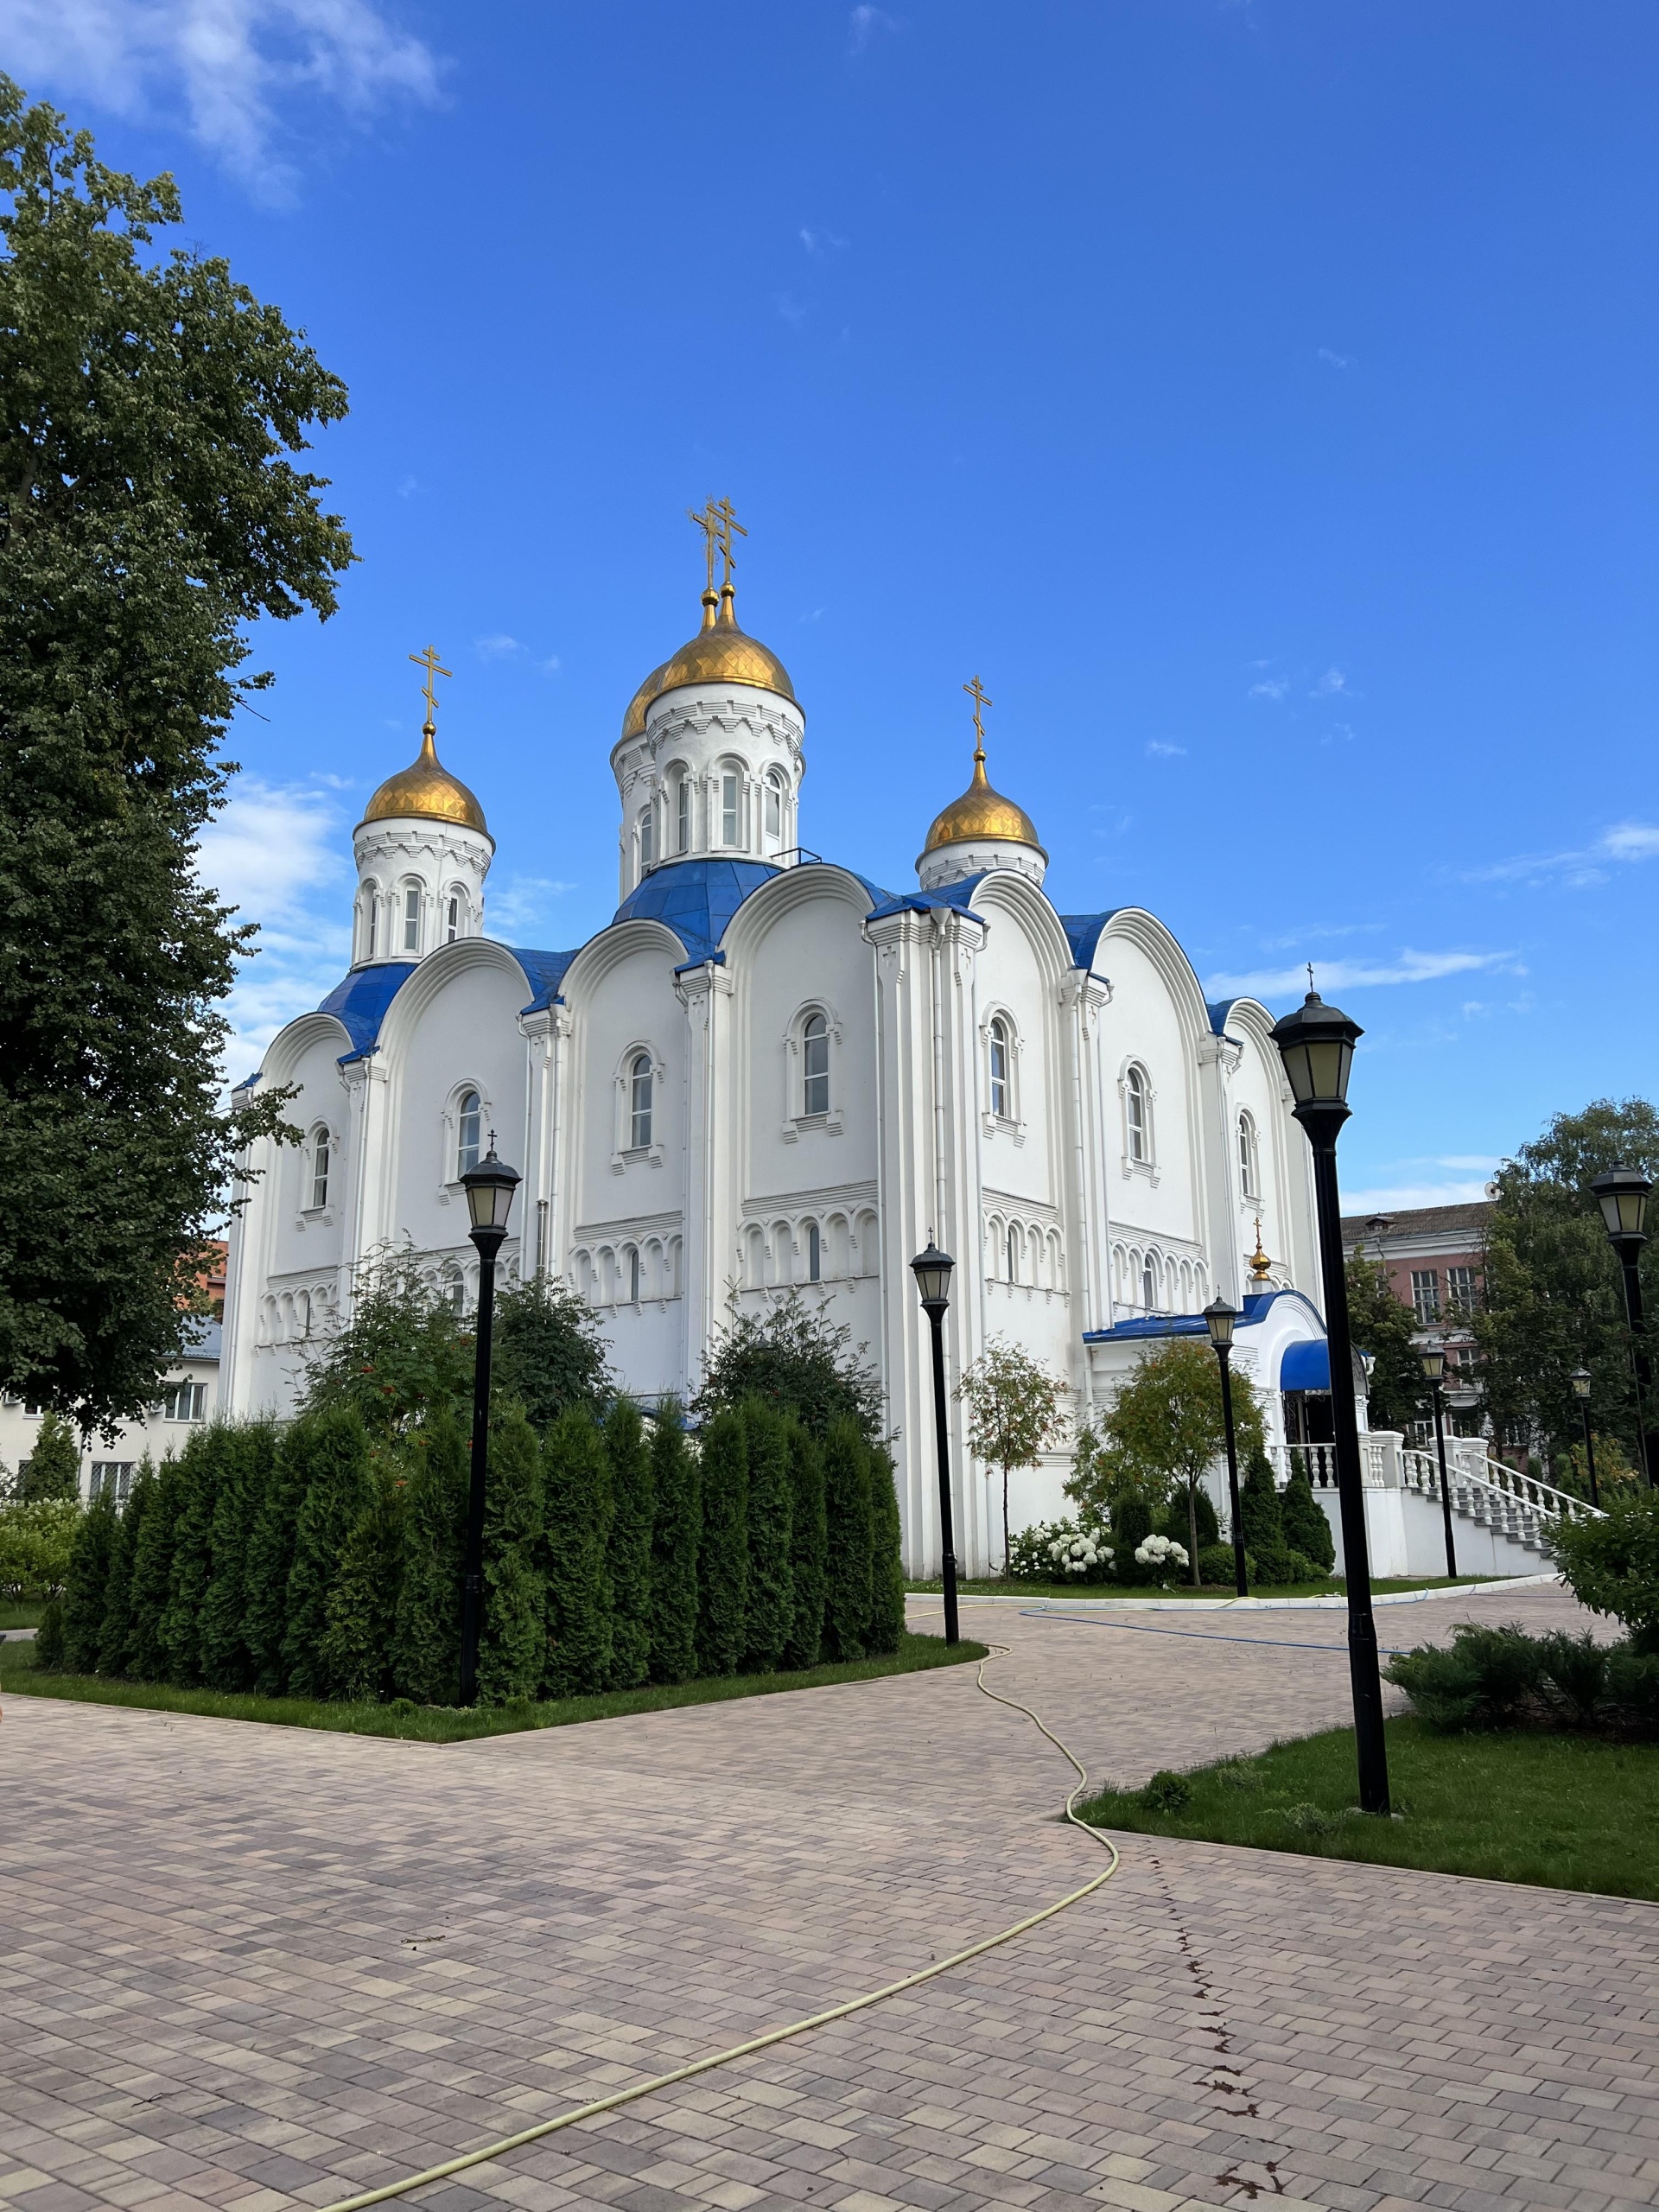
(1419, 1471)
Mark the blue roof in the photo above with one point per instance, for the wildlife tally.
(544, 971)
(696, 899)
(956, 894)
(1254, 1309)
(361, 1002)
(1218, 1010)
(1305, 1366)
(1083, 933)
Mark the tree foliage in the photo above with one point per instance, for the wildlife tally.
(677, 1520)
(52, 1468)
(512, 1642)
(723, 1547)
(577, 1523)
(1612, 1565)
(796, 1361)
(770, 1608)
(1380, 1325)
(846, 1514)
(1014, 1410)
(809, 1546)
(549, 1353)
(148, 515)
(628, 1453)
(426, 1631)
(401, 1355)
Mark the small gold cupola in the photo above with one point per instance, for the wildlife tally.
(982, 830)
(721, 652)
(426, 790)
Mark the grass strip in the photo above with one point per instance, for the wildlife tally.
(434, 1724)
(21, 1612)
(1567, 1812)
(1210, 1593)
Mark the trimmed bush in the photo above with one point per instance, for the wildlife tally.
(354, 1649)
(629, 1459)
(769, 1611)
(809, 1540)
(847, 1507)
(886, 1557)
(1307, 1530)
(1259, 1509)
(48, 1638)
(675, 1521)
(1633, 1688)
(145, 1656)
(118, 1588)
(426, 1631)
(513, 1644)
(192, 1566)
(1480, 1681)
(249, 1452)
(269, 1557)
(723, 1548)
(331, 1448)
(86, 1586)
(1131, 1526)
(575, 1529)
(1612, 1565)
(1172, 1520)
(1215, 1566)
(1575, 1669)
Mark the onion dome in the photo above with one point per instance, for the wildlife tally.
(983, 815)
(427, 790)
(720, 653)
(634, 723)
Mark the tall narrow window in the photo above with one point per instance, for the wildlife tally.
(1149, 1286)
(469, 1115)
(1135, 1099)
(1249, 1182)
(633, 1276)
(1014, 1254)
(639, 1104)
(1000, 1069)
(814, 1253)
(453, 923)
(1426, 1292)
(320, 1148)
(815, 1065)
(774, 809)
(412, 919)
(372, 896)
(683, 798)
(731, 810)
(647, 839)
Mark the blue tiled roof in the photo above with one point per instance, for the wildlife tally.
(1254, 1309)
(544, 971)
(1218, 1010)
(696, 899)
(956, 894)
(361, 1002)
(1083, 933)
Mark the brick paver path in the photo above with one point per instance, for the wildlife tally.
(253, 1967)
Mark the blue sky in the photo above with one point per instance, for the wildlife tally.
(1259, 396)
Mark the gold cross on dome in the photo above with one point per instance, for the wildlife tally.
(976, 691)
(429, 661)
(709, 523)
(728, 522)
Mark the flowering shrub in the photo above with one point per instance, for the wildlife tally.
(1059, 1551)
(1158, 1551)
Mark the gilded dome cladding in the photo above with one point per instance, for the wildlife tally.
(981, 814)
(428, 791)
(720, 653)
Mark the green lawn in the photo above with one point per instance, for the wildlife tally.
(1210, 1593)
(21, 1612)
(451, 1725)
(1567, 1812)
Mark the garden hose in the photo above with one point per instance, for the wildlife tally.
(498, 2149)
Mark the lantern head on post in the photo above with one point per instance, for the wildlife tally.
(932, 1270)
(1221, 1319)
(1317, 1044)
(1579, 1378)
(1623, 1194)
(1434, 1359)
(489, 1188)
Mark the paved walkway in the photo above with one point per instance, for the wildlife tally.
(254, 1967)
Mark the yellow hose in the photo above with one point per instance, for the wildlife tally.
(507, 2142)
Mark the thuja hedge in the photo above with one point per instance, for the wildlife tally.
(299, 1561)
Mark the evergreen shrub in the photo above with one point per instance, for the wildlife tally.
(769, 1608)
(847, 1507)
(887, 1627)
(248, 1453)
(425, 1657)
(808, 1543)
(628, 1457)
(118, 1589)
(1302, 1517)
(575, 1533)
(353, 1651)
(723, 1548)
(86, 1584)
(330, 1448)
(145, 1658)
(676, 1517)
(512, 1644)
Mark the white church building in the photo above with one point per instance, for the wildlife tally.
(767, 1073)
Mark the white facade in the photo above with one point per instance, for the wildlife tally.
(766, 1073)
(189, 1396)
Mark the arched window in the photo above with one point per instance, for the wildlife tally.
(634, 1275)
(1148, 1285)
(814, 1253)
(319, 1152)
(647, 839)
(682, 812)
(1136, 1115)
(411, 918)
(1248, 1172)
(639, 1104)
(731, 807)
(1001, 1094)
(814, 1064)
(452, 917)
(371, 920)
(775, 807)
(453, 1289)
(469, 1117)
(1014, 1253)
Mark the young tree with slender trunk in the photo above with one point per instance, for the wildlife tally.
(1015, 1412)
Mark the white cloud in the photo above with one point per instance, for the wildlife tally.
(816, 241)
(552, 666)
(1335, 360)
(1331, 682)
(496, 648)
(1397, 1197)
(228, 62)
(793, 311)
(1359, 975)
(1157, 750)
(867, 23)
(1625, 843)
(1270, 687)
(524, 904)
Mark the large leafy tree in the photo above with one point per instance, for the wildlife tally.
(798, 1361)
(148, 514)
(1386, 1331)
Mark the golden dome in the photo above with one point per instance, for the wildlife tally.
(634, 723)
(427, 790)
(720, 653)
(980, 814)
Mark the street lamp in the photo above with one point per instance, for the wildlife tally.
(489, 1188)
(1434, 1359)
(1317, 1044)
(1623, 1194)
(1579, 1378)
(1221, 1319)
(932, 1270)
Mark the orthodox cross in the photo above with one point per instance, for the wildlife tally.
(728, 522)
(976, 691)
(709, 522)
(429, 661)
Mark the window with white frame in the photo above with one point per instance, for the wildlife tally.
(1137, 1115)
(814, 1064)
(371, 920)
(469, 1129)
(640, 1103)
(1460, 1294)
(1426, 1294)
(731, 807)
(647, 838)
(322, 1159)
(814, 1253)
(413, 918)
(452, 918)
(452, 1288)
(1001, 1071)
(633, 1275)
(1014, 1253)
(184, 1402)
(682, 812)
(775, 807)
(1249, 1175)
(1148, 1285)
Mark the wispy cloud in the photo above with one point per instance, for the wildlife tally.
(1399, 1198)
(1408, 967)
(1270, 687)
(793, 311)
(1581, 867)
(867, 24)
(1334, 360)
(500, 647)
(1157, 750)
(1329, 685)
(230, 63)
(523, 903)
(821, 242)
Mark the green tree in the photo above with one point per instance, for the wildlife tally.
(118, 1589)
(270, 1554)
(354, 1651)
(548, 1352)
(1381, 1326)
(402, 1355)
(796, 1361)
(52, 1468)
(426, 1636)
(577, 1523)
(148, 405)
(512, 1642)
(1166, 1422)
(1014, 1410)
(1263, 1522)
(145, 1658)
(629, 1458)
(677, 1520)
(35, 1544)
(808, 1545)
(86, 1584)
(248, 1457)
(770, 1605)
(887, 1561)
(334, 1458)
(1612, 1565)
(723, 1548)
(846, 1514)
(1307, 1530)
(191, 1564)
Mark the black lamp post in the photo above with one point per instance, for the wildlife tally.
(932, 1270)
(1316, 1044)
(489, 1187)
(1579, 1378)
(1623, 1194)
(1221, 1319)
(1434, 1359)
